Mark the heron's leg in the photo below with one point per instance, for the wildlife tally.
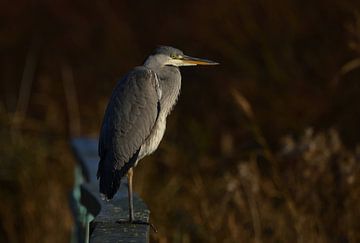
(130, 195)
(131, 206)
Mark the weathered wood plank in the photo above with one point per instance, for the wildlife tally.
(104, 227)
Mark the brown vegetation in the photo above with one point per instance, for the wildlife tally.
(227, 170)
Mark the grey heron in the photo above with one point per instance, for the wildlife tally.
(135, 118)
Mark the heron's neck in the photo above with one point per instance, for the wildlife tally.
(170, 84)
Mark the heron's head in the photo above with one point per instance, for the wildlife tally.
(170, 56)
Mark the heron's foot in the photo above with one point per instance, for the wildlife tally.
(140, 222)
(145, 223)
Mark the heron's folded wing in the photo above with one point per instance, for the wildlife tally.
(129, 117)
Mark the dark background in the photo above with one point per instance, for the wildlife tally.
(262, 148)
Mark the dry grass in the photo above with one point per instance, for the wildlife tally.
(223, 172)
(304, 192)
(35, 181)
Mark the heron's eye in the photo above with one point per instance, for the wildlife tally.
(173, 55)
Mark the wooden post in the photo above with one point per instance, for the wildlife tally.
(104, 227)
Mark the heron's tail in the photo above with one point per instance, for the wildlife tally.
(110, 180)
(110, 177)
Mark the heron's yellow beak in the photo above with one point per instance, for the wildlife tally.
(197, 61)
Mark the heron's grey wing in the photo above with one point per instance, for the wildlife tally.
(129, 118)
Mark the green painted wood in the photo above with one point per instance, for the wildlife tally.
(104, 227)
